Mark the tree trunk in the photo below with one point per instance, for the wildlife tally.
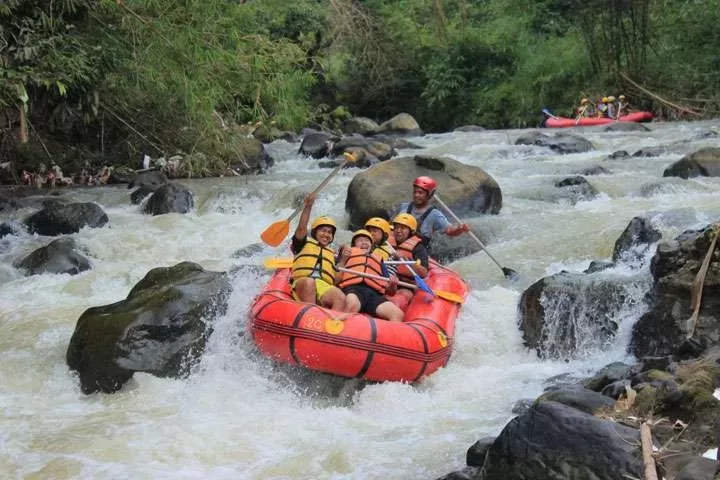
(23, 125)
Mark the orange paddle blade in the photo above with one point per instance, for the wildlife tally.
(278, 262)
(276, 233)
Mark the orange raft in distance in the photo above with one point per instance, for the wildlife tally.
(359, 345)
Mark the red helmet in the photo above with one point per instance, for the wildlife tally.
(426, 183)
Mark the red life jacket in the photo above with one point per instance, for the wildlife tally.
(363, 262)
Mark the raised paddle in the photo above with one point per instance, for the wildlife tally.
(449, 296)
(696, 288)
(509, 273)
(549, 114)
(276, 233)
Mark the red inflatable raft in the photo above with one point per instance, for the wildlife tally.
(358, 345)
(563, 122)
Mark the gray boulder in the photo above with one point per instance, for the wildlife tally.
(562, 142)
(169, 198)
(703, 163)
(59, 256)
(401, 124)
(58, 219)
(160, 328)
(378, 191)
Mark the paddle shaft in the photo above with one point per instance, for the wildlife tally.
(394, 252)
(474, 237)
(319, 187)
(697, 287)
(376, 277)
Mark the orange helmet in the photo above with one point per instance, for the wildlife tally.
(407, 220)
(380, 223)
(426, 183)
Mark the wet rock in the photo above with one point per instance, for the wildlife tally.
(616, 389)
(635, 240)
(662, 330)
(379, 150)
(151, 179)
(576, 189)
(121, 174)
(655, 151)
(396, 142)
(626, 127)
(376, 191)
(59, 219)
(608, 374)
(596, 170)
(169, 198)
(703, 163)
(59, 257)
(160, 328)
(142, 192)
(475, 456)
(467, 473)
(317, 145)
(618, 154)
(598, 266)
(567, 314)
(553, 440)
(579, 398)
(8, 203)
(562, 142)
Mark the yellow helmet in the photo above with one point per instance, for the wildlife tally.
(324, 220)
(361, 233)
(605, 100)
(407, 220)
(611, 98)
(380, 223)
(585, 100)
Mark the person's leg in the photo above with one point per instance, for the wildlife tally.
(352, 303)
(304, 289)
(389, 311)
(402, 298)
(334, 299)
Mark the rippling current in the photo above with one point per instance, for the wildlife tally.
(239, 417)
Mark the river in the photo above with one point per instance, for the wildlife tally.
(237, 417)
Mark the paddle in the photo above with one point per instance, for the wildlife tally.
(418, 279)
(549, 114)
(286, 262)
(696, 289)
(509, 273)
(449, 296)
(276, 233)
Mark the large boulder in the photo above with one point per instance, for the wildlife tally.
(317, 144)
(361, 125)
(161, 328)
(663, 329)
(401, 124)
(170, 198)
(555, 441)
(635, 240)
(59, 256)
(561, 142)
(566, 315)
(58, 219)
(703, 163)
(379, 190)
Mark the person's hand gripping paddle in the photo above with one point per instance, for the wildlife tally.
(276, 233)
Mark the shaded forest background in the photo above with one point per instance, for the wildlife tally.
(106, 81)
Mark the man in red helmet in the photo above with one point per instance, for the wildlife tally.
(429, 218)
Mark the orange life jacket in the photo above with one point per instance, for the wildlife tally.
(405, 252)
(361, 261)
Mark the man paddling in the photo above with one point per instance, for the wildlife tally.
(429, 218)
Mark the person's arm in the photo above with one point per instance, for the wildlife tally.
(441, 223)
(392, 283)
(302, 228)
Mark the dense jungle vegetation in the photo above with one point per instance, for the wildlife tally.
(105, 80)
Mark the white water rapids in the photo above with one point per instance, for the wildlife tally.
(237, 417)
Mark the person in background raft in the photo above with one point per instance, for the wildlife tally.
(364, 294)
(622, 106)
(429, 218)
(586, 109)
(611, 108)
(601, 109)
(313, 269)
(409, 247)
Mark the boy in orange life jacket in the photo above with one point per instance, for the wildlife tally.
(366, 294)
(409, 247)
(313, 269)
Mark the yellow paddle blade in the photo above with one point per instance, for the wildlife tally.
(276, 233)
(277, 262)
(449, 296)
